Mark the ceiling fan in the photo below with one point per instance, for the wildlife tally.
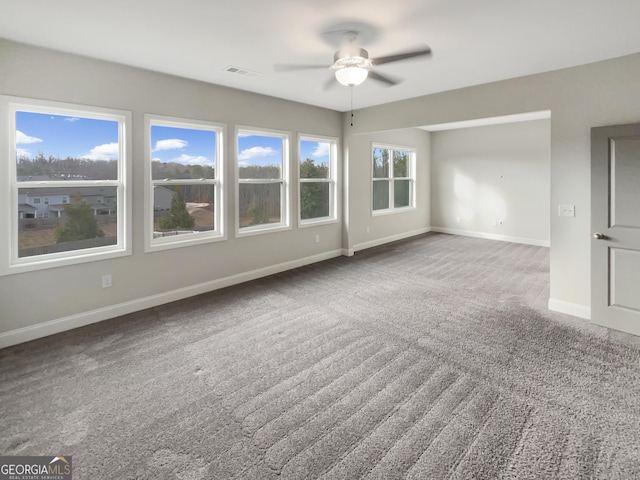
(352, 65)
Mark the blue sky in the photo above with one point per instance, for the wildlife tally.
(65, 136)
(267, 150)
(317, 151)
(259, 150)
(187, 146)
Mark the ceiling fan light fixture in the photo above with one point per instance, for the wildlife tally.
(351, 76)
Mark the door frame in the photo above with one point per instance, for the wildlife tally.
(602, 312)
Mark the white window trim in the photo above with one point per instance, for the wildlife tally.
(285, 181)
(332, 180)
(412, 171)
(216, 235)
(9, 261)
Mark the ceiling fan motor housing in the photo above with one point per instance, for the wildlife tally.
(351, 56)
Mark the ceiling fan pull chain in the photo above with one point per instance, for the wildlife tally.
(351, 90)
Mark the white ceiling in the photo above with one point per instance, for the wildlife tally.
(473, 41)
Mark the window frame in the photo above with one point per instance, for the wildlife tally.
(284, 181)
(10, 261)
(332, 181)
(391, 208)
(219, 232)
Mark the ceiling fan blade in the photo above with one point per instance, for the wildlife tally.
(283, 67)
(401, 56)
(330, 83)
(383, 78)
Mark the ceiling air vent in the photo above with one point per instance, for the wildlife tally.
(241, 71)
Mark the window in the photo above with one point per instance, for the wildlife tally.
(184, 182)
(393, 178)
(317, 180)
(63, 151)
(263, 191)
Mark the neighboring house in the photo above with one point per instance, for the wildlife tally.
(162, 197)
(50, 202)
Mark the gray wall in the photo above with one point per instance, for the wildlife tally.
(384, 228)
(65, 295)
(50, 300)
(603, 93)
(493, 174)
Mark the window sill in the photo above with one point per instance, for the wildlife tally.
(314, 222)
(23, 265)
(391, 211)
(192, 240)
(261, 229)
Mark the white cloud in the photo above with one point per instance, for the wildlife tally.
(322, 150)
(170, 144)
(23, 152)
(71, 119)
(23, 139)
(107, 151)
(257, 152)
(192, 160)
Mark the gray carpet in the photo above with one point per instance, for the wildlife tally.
(429, 358)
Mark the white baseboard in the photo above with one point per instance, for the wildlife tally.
(392, 238)
(33, 332)
(493, 236)
(575, 309)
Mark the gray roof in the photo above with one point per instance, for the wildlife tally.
(71, 191)
(24, 207)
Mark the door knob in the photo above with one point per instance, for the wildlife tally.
(599, 236)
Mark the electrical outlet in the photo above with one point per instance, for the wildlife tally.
(457, 219)
(106, 281)
(566, 210)
(317, 238)
(368, 230)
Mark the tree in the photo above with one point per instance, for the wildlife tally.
(178, 216)
(80, 223)
(258, 216)
(314, 196)
(401, 184)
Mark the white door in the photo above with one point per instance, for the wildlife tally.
(615, 227)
